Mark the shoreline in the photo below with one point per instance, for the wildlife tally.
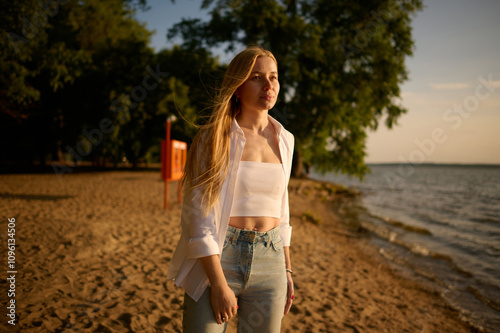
(94, 250)
(440, 241)
(367, 281)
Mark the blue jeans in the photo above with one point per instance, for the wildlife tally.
(254, 266)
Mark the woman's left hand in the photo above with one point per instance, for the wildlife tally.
(289, 296)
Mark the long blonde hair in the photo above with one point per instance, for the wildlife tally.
(208, 157)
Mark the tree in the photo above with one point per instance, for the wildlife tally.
(56, 76)
(341, 63)
(86, 85)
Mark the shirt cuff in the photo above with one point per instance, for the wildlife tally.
(199, 247)
(286, 235)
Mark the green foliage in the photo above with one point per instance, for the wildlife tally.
(89, 61)
(51, 49)
(67, 65)
(341, 63)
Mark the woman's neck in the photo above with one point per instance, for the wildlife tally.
(253, 121)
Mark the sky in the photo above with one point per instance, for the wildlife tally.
(452, 94)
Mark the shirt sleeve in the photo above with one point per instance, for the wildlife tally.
(201, 229)
(202, 241)
(285, 228)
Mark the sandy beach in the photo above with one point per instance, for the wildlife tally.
(92, 253)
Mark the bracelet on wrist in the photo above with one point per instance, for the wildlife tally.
(289, 271)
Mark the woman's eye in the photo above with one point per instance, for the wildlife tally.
(256, 77)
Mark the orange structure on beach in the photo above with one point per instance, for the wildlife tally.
(176, 159)
(173, 159)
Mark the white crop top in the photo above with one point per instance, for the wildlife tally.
(258, 190)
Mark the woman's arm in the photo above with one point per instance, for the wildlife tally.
(290, 291)
(286, 229)
(222, 297)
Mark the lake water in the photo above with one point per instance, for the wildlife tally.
(439, 224)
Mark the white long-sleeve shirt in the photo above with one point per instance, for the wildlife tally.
(203, 235)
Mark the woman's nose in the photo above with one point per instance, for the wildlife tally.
(267, 84)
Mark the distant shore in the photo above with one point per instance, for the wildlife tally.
(94, 250)
(487, 165)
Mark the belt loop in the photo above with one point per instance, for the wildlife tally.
(236, 235)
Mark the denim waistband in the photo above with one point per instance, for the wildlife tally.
(250, 236)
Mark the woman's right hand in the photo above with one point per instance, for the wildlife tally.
(222, 297)
(224, 303)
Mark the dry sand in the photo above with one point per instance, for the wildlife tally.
(93, 251)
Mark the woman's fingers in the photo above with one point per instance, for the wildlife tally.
(230, 313)
(288, 305)
(289, 296)
(222, 319)
(225, 316)
(224, 303)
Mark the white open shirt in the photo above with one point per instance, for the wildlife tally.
(203, 235)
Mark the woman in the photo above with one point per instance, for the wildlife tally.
(233, 254)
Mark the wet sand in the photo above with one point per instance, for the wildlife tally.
(92, 252)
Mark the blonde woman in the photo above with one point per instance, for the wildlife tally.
(233, 254)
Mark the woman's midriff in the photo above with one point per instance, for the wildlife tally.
(255, 223)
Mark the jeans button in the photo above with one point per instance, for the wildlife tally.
(252, 236)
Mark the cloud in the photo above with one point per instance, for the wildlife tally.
(449, 86)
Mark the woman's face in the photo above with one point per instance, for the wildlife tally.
(261, 89)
